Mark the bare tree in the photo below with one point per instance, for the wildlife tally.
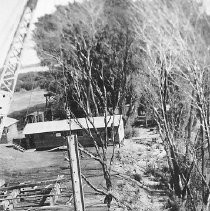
(175, 62)
(95, 62)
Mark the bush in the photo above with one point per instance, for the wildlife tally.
(135, 132)
(150, 170)
(129, 127)
(33, 80)
(128, 131)
(131, 132)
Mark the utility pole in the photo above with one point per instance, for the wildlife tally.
(75, 171)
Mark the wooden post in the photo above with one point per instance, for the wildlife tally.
(56, 191)
(75, 173)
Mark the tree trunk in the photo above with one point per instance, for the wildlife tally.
(175, 175)
(107, 177)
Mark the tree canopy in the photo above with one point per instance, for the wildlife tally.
(109, 54)
(91, 44)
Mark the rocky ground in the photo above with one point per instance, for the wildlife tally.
(139, 173)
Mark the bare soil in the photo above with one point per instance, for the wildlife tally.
(143, 159)
(137, 174)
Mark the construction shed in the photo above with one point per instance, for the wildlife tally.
(10, 131)
(51, 134)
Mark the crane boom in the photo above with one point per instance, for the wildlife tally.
(12, 63)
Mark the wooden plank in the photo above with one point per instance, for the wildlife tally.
(2, 182)
(45, 191)
(30, 184)
(56, 208)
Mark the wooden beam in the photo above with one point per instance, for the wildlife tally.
(2, 182)
(46, 191)
(31, 184)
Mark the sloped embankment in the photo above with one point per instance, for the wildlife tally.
(141, 164)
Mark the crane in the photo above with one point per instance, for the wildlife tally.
(9, 74)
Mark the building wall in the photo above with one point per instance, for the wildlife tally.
(121, 131)
(86, 141)
(12, 132)
(4, 138)
(9, 134)
(46, 140)
(55, 139)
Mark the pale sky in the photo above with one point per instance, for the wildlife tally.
(10, 11)
(43, 7)
(206, 6)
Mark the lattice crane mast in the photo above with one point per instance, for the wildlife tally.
(9, 74)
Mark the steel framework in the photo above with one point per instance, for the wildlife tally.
(12, 63)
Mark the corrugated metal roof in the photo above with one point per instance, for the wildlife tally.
(76, 124)
(9, 121)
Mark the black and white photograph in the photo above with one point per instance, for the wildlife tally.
(105, 105)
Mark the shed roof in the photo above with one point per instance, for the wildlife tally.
(76, 124)
(9, 121)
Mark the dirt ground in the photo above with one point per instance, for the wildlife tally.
(137, 173)
(142, 159)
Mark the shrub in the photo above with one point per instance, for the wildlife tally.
(135, 132)
(128, 131)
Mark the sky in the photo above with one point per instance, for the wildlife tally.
(43, 7)
(206, 6)
(10, 11)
